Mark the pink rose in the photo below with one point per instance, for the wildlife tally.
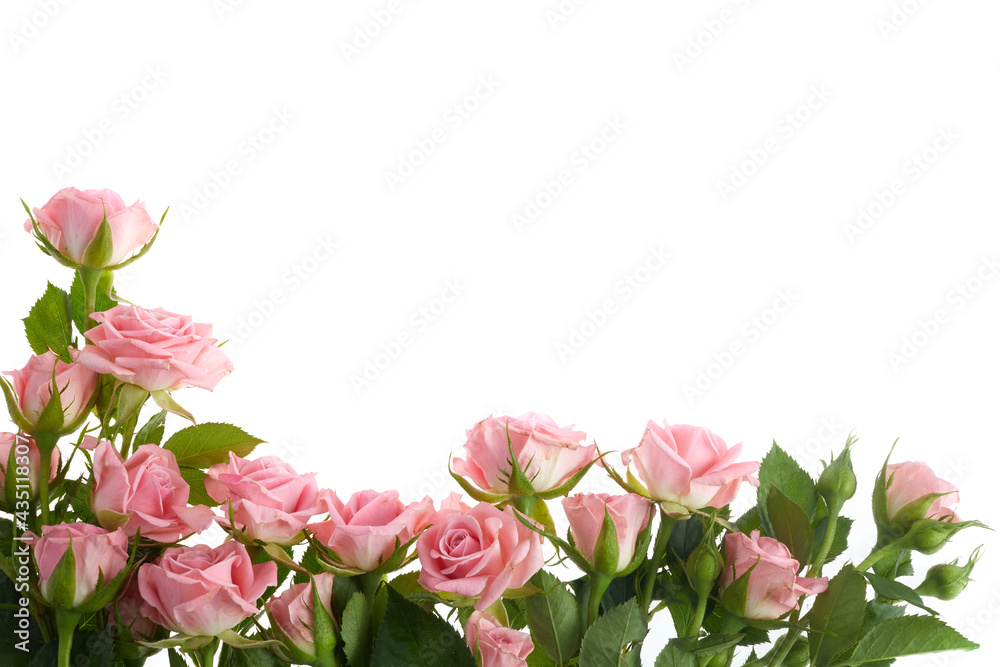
(585, 512)
(145, 493)
(97, 552)
(774, 588)
(33, 386)
(129, 605)
(200, 591)
(364, 533)
(271, 502)
(154, 349)
(478, 554)
(292, 611)
(498, 646)
(689, 466)
(548, 454)
(910, 481)
(26, 459)
(71, 219)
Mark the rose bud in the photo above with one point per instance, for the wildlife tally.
(773, 588)
(947, 580)
(32, 393)
(703, 567)
(270, 501)
(293, 621)
(495, 645)
(838, 483)
(477, 554)
(200, 591)
(607, 529)
(366, 532)
(688, 466)
(20, 461)
(73, 558)
(914, 492)
(91, 228)
(125, 612)
(145, 494)
(551, 458)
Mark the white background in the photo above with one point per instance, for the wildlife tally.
(270, 139)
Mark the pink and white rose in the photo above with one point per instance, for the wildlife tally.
(499, 646)
(586, 511)
(292, 611)
(33, 386)
(98, 554)
(912, 480)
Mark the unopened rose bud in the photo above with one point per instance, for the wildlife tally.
(704, 566)
(947, 580)
(838, 482)
(928, 536)
(799, 655)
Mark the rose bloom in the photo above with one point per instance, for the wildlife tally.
(12, 441)
(144, 493)
(548, 454)
(364, 532)
(910, 481)
(773, 588)
(97, 553)
(154, 349)
(499, 646)
(585, 512)
(479, 553)
(72, 218)
(201, 591)
(271, 502)
(689, 466)
(292, 611)
(33, 386)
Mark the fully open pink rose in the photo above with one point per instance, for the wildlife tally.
(97, 552)
(26, 460)
(292, 611)
(200, 591)
(689, 466)
(912, 480)
(498, 646)
(154, 349)
(548, 454)
(72, 218)
(144, 493)
(478, 554)
(271, 502)
(33, 386)
(774, 588)
(585, 512)
(365, 531)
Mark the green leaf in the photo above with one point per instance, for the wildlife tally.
(674, 656)
(907, 635)
(790, 525)
(894, 590)
(607, 641)
(47, 324)
(196, 480)
(554, 619)
(104, 302)
(876, 612)
(780, 470)
(838, 610)
(152, 432)
(204, 445)
(356, 630)
(413, 637)
(839, 545)
(244, 657)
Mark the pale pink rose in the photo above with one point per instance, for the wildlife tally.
(129, 603)
(271, 502)
(292, 611)
(478, 554)
(364, 532)
(154, 349)
(26, 459)
(689, 466)
(774, 588)
(548, 454)
(145, 493)
(499, 646)
(910, 481)
(72, 218)
(201, 591)
(33, 386)
(585, 512)
(97, 552)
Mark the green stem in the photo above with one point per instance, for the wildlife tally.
(876, 555)
(205, 656)
(816, 567)
(699, 616)
(89, 278)
(598, 584)
(66, 623)
(369, 585)
(46, 442)
(663, 532)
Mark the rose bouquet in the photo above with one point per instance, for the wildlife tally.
(102, 482)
